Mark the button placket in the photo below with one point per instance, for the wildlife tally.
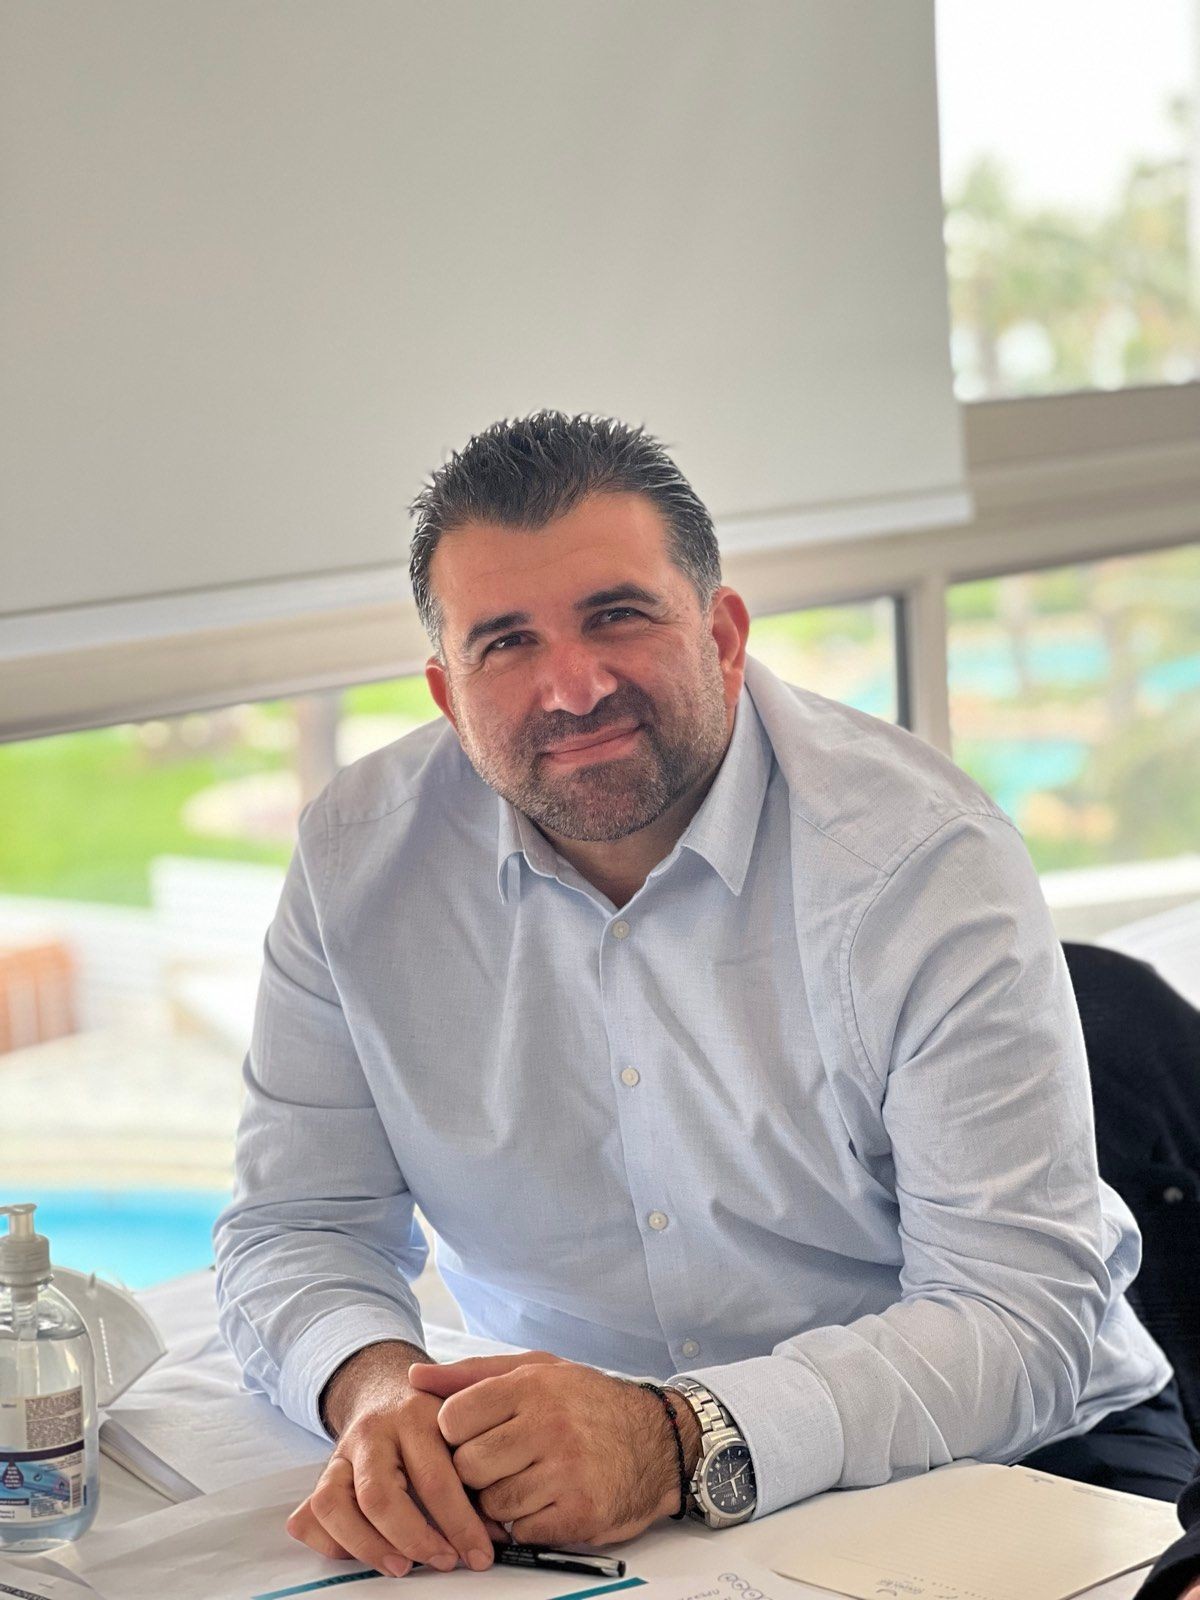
(629, 1026)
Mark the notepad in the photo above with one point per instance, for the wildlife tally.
(969, 1532)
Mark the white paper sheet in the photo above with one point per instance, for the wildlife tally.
(978, 1532)
(233, 1546)
(732, 1580)
(31, 1578)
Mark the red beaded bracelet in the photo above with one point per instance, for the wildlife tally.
(683, 1477)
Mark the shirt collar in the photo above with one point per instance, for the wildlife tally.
(722, 831)
(518, 837)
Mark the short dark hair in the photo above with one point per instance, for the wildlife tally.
(525, 473)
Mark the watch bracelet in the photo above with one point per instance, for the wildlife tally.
(712, 1417)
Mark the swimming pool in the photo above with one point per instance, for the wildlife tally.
(136, 1236)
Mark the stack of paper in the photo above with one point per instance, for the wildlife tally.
(208, 1447)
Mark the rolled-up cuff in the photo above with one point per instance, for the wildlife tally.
(324, 1345)
(788, 1419)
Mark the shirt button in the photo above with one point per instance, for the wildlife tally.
(690, 1347)
(620, 930)
(658, 1220)
(1173, 1195)
(632, 1077)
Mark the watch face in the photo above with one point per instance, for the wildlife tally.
(729, 1480)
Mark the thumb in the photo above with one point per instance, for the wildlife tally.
(448, 1379)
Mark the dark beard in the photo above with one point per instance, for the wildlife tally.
(609, 800)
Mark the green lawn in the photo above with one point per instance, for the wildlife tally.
(83, 814)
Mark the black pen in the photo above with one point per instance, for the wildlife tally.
(550, 1560)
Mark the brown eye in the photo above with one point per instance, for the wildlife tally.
(505, 639)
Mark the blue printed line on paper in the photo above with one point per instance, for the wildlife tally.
(357, 1577)
(582, 1594)
(321, 1583)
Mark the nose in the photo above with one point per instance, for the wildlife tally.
(574, 679)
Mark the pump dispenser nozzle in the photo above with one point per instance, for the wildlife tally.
(24, 1254)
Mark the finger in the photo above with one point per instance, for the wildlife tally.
(547, 1526)
(499, 1453)
(449, 1377)
(303, 1526)
(523, 1495)
(445, 1500)
(333, 1504)
(485, 1405)
(381, 1494)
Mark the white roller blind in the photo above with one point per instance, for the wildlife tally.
(265, 265)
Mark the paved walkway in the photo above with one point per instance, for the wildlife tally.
(120, 1109)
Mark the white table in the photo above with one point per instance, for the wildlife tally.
(198, 1364)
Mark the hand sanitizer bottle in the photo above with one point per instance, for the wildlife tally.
(49, 1450)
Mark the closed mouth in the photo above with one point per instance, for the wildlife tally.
(594, 741)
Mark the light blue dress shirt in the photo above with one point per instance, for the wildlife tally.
(807, 1118)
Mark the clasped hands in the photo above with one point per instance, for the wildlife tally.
(562, 1453)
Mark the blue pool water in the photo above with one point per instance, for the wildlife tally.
(137, 1237)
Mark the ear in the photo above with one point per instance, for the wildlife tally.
(729, 623)
(439, 688)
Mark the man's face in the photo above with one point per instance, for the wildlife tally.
(585, 682)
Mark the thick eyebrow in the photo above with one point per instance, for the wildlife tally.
(507, 620)
(501, 624)
(622, 591)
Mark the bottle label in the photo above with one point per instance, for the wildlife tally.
(44, 1477)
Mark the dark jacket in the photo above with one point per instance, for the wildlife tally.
(1179, 1565)
(1143, 1048)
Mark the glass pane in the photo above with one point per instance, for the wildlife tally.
(845, 652)
(139, 868)
(1070, 167)
(1075, 701)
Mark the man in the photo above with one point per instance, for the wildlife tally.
(720, 1032)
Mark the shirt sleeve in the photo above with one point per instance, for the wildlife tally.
(315, 1248)
(958, 1005)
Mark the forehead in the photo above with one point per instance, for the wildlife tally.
(606, 539)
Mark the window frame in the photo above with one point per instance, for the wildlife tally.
(1055, 479)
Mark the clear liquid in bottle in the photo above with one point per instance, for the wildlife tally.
(49, 1450)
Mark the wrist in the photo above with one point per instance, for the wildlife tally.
(372, 1378)
(689, 1430)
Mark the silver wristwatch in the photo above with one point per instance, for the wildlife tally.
(722, 1490)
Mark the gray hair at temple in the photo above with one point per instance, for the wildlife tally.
(525, 473)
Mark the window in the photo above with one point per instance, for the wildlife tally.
(845, 652)
(1075, 701)
(139, 868)
(1068, 180)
